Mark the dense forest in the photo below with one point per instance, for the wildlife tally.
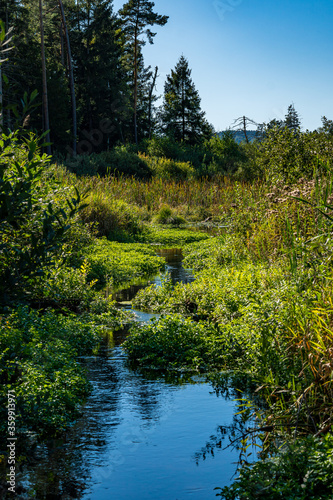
(94, 177)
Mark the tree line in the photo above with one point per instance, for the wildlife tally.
(94, 90)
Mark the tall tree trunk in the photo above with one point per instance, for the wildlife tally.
(150, 99)
(7, 30)
(135, 82)
(62, 51)
(45, 98)
(244, 129)
(71, 76)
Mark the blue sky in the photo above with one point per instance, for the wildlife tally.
(250, 57)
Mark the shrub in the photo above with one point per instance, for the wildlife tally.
(299, 471)
(34, 218)
(64, 287)
(38, 361)
(165, 168)
(119, 161)
(167, 216)
(113, 218)
(165, 147)
(225, 154)
(285, 155)
(174, 342)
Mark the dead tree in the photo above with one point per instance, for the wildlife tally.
(241, 125)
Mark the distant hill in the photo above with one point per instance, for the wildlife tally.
(239, 135)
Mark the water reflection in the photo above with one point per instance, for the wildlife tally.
(177, 272)
(138, 437)
(174, 268)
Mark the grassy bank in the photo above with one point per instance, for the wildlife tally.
(261, 303)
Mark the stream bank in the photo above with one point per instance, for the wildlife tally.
(141, 436)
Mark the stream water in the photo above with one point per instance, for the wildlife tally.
(140, 437)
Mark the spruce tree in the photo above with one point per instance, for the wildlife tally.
(24, 69)
(102, 84)
(181, 116)
(292, 120)
(137, 15)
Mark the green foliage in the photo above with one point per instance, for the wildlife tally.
(172, 237)
(248, 313)
(121, 262)
(220, 251)
(33, 226)
(119, 161)
(174, 342)
(64, 287)
(167, 147)
(166, 216)
(38, 361)
(287, 156)
(168, 169)
(300, 471)
(114, 219)
(226, 155)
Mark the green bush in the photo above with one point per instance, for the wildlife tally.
(34, 215)
(165, 147)
(167, 216)
(168, 169)
(225, 154)
(248, 305)
(285, 155)
(174, 342)
(121, 160)
(62, 287)
(38, 361)
(113, 218)
(299, 471)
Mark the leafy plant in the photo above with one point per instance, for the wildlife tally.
(300, 471)
(33, 228)
(173, 342)
(166, 216)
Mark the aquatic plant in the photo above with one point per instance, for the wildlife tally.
(173, 342)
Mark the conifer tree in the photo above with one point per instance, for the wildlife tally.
(102, 84)
(137, 16)
(181, 116)
(292, 120)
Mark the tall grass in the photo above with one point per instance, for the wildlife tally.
(218, 195)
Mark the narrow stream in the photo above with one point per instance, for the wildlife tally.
(140, 438)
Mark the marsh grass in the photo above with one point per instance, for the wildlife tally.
(195, 197)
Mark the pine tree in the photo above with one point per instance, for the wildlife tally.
(24, 71)
(137, 15)
(103, 91)
(292, 120)
(181, 116)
